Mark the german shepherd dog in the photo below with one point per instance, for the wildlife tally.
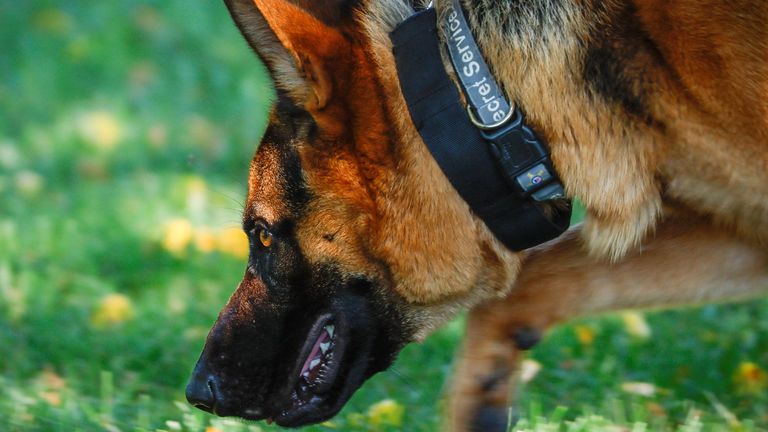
(656, 116)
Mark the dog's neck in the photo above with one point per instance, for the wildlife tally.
(564, 68)
(591, 83)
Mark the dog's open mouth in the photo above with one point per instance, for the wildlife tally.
(316, 370)
(320, 367)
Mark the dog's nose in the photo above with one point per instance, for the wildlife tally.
(201, 390)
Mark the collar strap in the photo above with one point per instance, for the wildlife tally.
(488, 108)
(490, 156)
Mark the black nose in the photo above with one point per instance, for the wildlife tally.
(202, 389)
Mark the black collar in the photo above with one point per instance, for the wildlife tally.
(490, 156)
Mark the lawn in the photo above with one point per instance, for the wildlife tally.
(125, 134)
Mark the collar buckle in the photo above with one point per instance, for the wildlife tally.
(523, 159)
(482, 126)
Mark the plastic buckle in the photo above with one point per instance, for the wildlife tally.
(523, 159)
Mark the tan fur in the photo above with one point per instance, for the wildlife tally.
(714, 107)
(382, 208)
(378, 194)
(606, 162)
(712, 155)
(265, 187)
(448, 268)
(687, 261)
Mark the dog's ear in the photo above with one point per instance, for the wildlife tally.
(298, 41)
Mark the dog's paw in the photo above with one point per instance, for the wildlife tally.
(492, 419)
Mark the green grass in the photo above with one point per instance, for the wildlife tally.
(118, 117)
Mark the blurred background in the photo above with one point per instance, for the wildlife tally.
(126, 129)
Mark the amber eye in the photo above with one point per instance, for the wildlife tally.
(265, 237)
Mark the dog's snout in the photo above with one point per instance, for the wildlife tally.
(202, 389)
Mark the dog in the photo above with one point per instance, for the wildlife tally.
(656, 118)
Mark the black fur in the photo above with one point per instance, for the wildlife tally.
(492, 381)
(617, 61)
(526, 338)
(293, 124)
(332, 12)
(490, 419)
(519, 18)
(618, 54)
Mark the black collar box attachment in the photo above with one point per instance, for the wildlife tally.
(502, 170)
(524, 160)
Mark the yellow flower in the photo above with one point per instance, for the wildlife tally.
(157, 136)
(195, 333)
(636, 325)
(50, 385)
(233, 241)
(50, 380)
(212, 429)
(529, 368)
(173, 425)
(9, 154)
(202, 132)
(195, 184)
(141, 74)
(584, 334)
(176, 304)
(92, 168)
(655, 409)
(205, 241)
(639, 388)
(113, 309)
(77, 49)
(177, 235)
(53, 21)
(53, 398)
(750, 378)
(356, 420)
(28, 183)
(101, 129)
(387, 412)
(148, 19)
(197, 196)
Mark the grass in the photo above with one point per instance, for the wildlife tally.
(125, 133)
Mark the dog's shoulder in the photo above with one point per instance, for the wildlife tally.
(640, 101)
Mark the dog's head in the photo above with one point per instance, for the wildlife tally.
(358, 243)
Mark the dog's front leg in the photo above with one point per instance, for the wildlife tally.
(687, 261)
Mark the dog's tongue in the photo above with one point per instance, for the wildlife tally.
(324, 337)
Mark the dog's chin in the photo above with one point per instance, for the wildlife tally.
(320, 407)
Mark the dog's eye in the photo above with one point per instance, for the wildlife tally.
(265, 237)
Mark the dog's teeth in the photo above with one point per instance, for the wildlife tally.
(313, 364)
(324, 347)
(329, 329)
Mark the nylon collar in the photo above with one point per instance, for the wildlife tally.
(489, 108)
(491, 157)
